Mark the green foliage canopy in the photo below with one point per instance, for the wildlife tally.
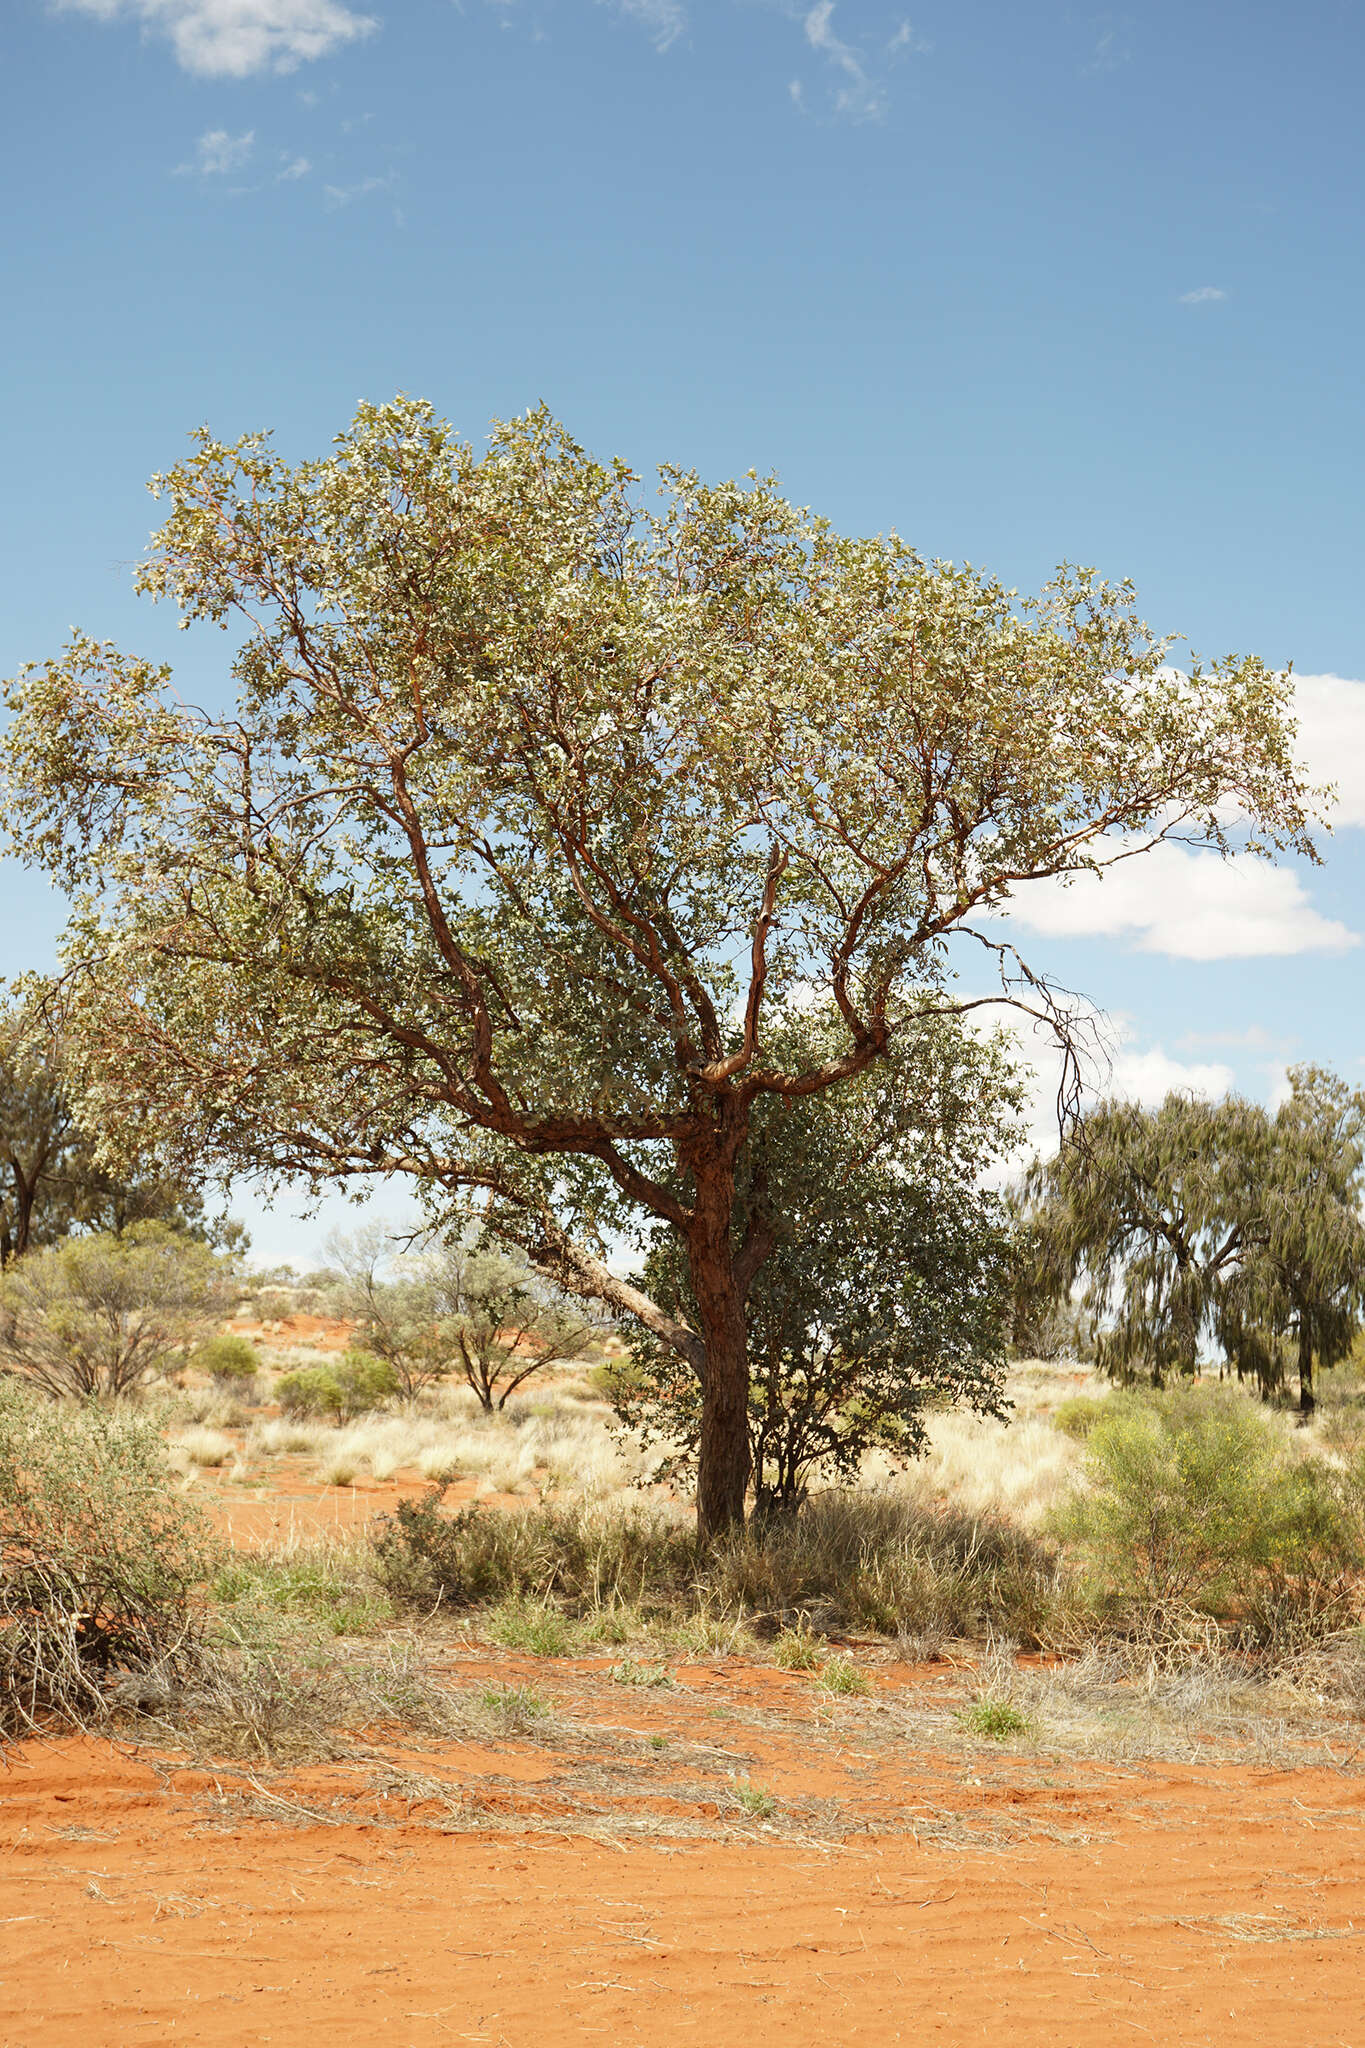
(887, 1289)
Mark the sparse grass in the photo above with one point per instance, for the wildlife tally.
(513, 1707)
(203, 1447)
(543, 1631)
(630, 1672)
(755, 1800)
(325, 1582)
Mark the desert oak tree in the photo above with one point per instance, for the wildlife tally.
(542, 797)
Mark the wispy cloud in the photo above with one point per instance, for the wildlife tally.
(218, 154)
(1113, 45)
(344, 195)
(1205, 295)
(663, 21)
(236, 38)
(860, 97)
(297, 167)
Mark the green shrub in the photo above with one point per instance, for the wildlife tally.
(229, 1360)
(1196, 1503)
(994, 1718)
(842, 1677)
(1080, 1415)
(755, 1800)
(354, 1383)
(102, 1563)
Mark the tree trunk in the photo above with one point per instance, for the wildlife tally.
(1307, 1400)
(723, 1461)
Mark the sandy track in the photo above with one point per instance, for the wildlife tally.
(1174, 1904)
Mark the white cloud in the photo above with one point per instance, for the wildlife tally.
(860, 96)
(1149, 1077)
(1192, 905)
(1331, 714)
(662, 20)
(297, 167)
(220, 153)
(1113, 1068)
(1206, 295)
(235, 38)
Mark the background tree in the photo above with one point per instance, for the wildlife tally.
(457, 1308)
(1203, 1224)
(538, 803)
(1144, 1213)
(99, 1316)
(500, 1319)
(1299, 1292)
(397, 1313)
(51, 1178)
(887, 1291)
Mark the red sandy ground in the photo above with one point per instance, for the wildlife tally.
(1165, 1903)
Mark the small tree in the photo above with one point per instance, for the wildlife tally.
(501, 1321)
(1147, 1212)
(397, 1311)
(887, 1291)
(101, 1316)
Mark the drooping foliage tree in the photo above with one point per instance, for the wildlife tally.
(1297, 1298)
(1205, 1227)
(538, 802)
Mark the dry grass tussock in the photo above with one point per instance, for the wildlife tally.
(549, 1445)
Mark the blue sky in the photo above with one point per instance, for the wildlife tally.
(1024, 281)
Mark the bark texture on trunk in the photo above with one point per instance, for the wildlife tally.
(723, 1460)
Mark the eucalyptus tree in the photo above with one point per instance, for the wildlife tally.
(886, 1294)
(541, 798)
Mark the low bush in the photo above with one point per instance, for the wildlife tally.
(103, 1561)
(1080, 1416)
(230, 1362)
(1197, 1505)
(996, 1719)
(355, 1383)
(884, 1561)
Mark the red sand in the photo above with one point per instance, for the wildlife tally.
(133, 1914)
